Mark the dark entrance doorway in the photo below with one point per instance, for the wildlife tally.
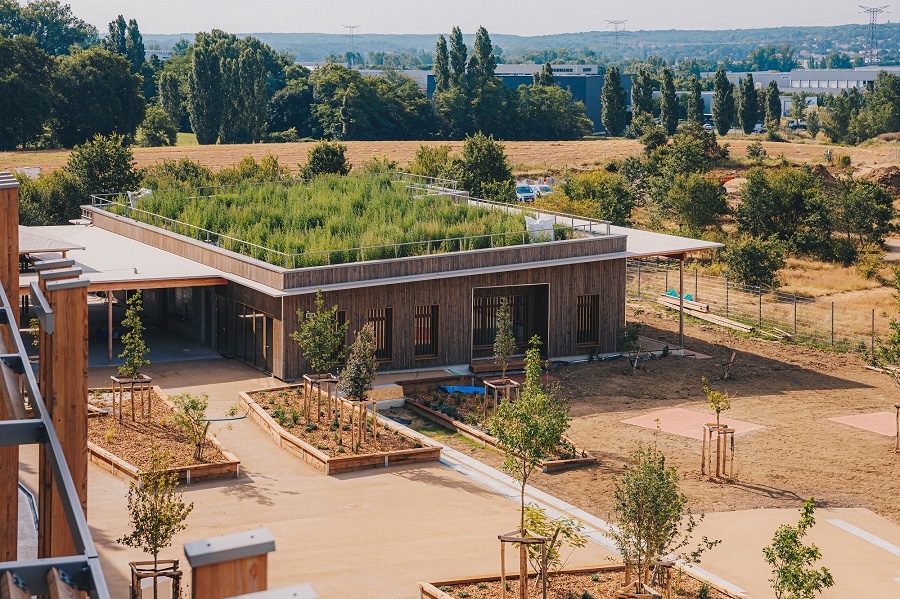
(529, 307)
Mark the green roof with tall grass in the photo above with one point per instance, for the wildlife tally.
(326, 221)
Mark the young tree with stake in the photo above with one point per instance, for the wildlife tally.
(504, 342)
(321, 341)
(357, 378)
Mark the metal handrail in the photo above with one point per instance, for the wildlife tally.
(430, 185)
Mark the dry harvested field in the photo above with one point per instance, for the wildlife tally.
(526, 157)
(790, 390)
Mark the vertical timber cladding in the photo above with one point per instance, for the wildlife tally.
(264, 305)
(454, 296)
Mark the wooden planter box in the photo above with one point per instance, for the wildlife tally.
(431, 590)
(336, 465)
(231, 468)
(480, 436)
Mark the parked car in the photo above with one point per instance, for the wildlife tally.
(524, 193)
(759, 128)
(708, 126)
(795, 124)
(542, 189)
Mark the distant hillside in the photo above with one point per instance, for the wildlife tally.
(671, 44)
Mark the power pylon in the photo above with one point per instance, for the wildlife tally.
(871, 55)
(351, 29)
(616, 31)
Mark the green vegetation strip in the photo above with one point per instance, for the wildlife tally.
(327, 220)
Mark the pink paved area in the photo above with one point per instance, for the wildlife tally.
(687, 423)
(883, 423)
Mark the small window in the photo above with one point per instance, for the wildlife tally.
(382, 320)
(588, 325)
(426, 332)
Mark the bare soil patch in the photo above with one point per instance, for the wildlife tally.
(791, 390)
(285, 407)
(134, 441)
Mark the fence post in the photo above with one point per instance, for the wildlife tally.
(726, 296)
(873, 331)
(696, 282)
(759, 291)
(667, 278)
(639, 278)
(795, 315)
(832, 324)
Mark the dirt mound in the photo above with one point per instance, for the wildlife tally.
(886, 176)
(825, 175)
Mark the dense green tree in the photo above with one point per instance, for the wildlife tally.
(748, 113)
(103, 165)
(170, 97)
(550, 113)
(610, 196)
(613, 97)
(134, 46)
(326, 158)
(668, 107)
(483, 169)
(723, 102)
(773, 103)
(862, 211)
(291, 107)
(755, 261)
(642, 94)
(51, 199)
(96, 93)
(157, 129)
(26, 98)
(459, 56)
(115, 39)
(441, 66)
(697, 202)
(799, 104)
(150, 74)
(206, 96)
(696, 108)
(482, 64)
(813, 124)
(545, 77)
(52, 25)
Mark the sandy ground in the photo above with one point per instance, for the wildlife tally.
(524, 156)
(790, 390)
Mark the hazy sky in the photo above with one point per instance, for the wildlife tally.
(523, 17)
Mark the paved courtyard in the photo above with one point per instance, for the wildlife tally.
(376, 533)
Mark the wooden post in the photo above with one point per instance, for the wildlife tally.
(897, 438)
(502, 570)
(231, 565)
(523, 571)
(9, 279)
(65, 389)
(681, 301)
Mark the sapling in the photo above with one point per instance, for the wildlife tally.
(357, 378)
(504, 342)
(321, 341)
(717, 400)
(793, 574)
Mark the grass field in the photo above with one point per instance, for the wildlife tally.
(526, 157)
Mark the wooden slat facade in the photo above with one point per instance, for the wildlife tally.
(454, 297)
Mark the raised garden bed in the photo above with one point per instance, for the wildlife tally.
(278, 412)
(463, 413)
(123, 448)
(598, 582)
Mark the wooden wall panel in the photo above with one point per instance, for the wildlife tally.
(454, 296)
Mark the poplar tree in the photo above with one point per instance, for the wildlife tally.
(749, 109)
(458, 58)
(205, 102)
(773, 103)
(613, 97)
(723, 102)
(482, 64)
(170, 96)
(134, 46)
(441, 66)
(642, 94)
(544, 77)
(668, 108)
(115, 40)
(696, 107)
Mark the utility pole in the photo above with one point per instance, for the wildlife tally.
(616, 31)
(351, 29)
(871, 55)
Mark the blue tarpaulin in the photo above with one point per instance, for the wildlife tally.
(466, 390)
(687, 296)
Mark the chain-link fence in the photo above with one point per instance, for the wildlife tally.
(812, 320)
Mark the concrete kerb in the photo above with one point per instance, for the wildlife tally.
(508, 487)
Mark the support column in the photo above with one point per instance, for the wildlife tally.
(681, 301)
(109, 325)
(9, 279)
(64, 384)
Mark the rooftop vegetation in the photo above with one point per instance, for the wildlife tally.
(327, 220)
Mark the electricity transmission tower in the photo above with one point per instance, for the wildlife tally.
(616, 31)
(871, 55)
(351, 29)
